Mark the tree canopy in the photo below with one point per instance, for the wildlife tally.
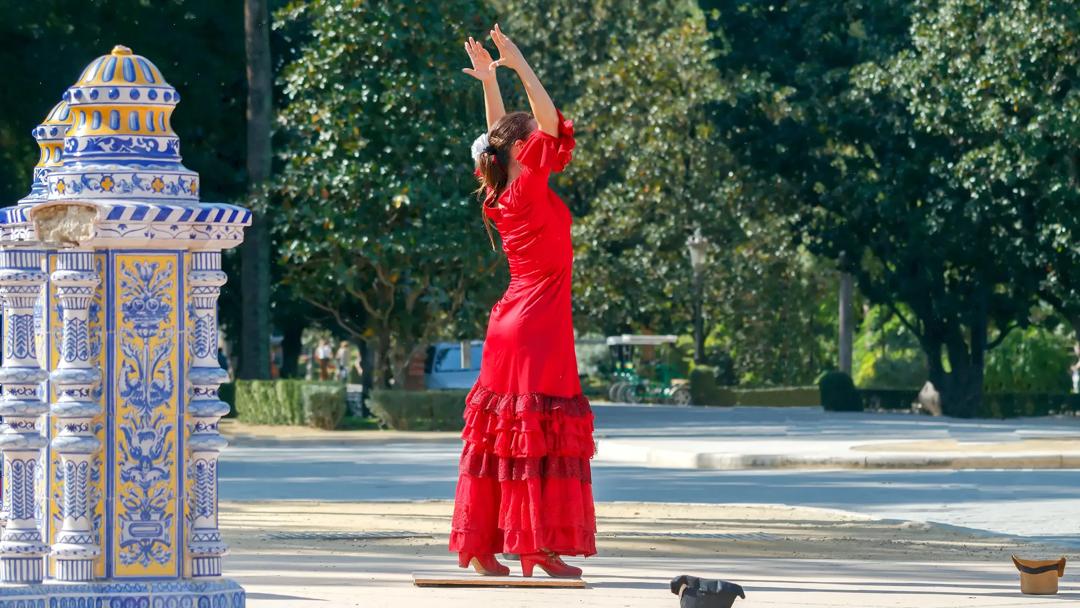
(374, 206)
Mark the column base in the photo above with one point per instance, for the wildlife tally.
(206, 566)
(220, 593)
(74, 570)
(22, 570)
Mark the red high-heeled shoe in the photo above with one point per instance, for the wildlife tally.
(485, 565)
(551, 563)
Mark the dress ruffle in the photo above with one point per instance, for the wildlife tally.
(542, 151)
(525, 482)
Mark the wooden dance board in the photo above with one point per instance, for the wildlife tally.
(470, 579)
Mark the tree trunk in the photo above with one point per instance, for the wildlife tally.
(847, 323)
(291, 347)
(367, 370)
(255, 251)
(383, 364)
(961, 390)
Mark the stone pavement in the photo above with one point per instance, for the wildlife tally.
(772, 438)
(305, 554)
(776, 438)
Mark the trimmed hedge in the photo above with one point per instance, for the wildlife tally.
(994, 405)
(289, 402)
(838, 393)
(419, 410)
(324, 405)
(781, 396)
(888, 398)
(1013, 405)
(705, 391)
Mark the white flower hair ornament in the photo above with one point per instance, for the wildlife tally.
(480, 145)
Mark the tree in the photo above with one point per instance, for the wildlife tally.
(935, 252)
(376, 179)
(255, 252)
(1001, 82)
(653, 171)
(567, 37)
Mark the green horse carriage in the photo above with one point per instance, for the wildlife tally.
(629, 385)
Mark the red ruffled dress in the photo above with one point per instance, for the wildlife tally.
(525, 483)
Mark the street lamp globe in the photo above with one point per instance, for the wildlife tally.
(699, 250)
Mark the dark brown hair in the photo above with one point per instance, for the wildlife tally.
(493, 164)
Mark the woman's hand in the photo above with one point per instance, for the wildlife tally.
(509, 54)
(483, 68)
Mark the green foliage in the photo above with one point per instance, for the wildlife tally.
(886, 354)
(375, 183)
(1034, 360)
(877, 116)
(838, 393)
(419, 410)
(648, 168)
(289, 402)
(704, 390)
(566, 37)
(323, 404)
(778, 313)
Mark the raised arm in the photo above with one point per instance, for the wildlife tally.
(543, 109)
(483, 71)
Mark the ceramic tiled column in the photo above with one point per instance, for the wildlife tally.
(75, 378)
(130, 316)
(205, 280)
(22, 404)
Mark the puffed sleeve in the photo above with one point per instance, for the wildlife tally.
(543, 152)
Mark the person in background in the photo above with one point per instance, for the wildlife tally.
(323, 354)
(343, 361)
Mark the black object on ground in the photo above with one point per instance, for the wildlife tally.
(696, 592)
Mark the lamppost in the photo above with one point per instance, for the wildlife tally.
(699, 257)
(847, 321)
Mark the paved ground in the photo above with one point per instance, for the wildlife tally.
(870, 547)
(776, 553)
(1042, 504)
(755, 437)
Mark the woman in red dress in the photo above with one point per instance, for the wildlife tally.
(525, 485)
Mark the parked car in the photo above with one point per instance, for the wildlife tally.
(444, 366)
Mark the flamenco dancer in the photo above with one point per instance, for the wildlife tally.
(525, 484)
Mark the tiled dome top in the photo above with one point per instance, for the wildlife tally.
(121, 144)
(50, 139)
(121, 68)
(56, 124)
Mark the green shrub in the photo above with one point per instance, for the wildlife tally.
(324, 404)
(419, 410)
(276, 401)
(1032, 360)
(887, 355)
(780, 396)
(838, 393)
(705, 391)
